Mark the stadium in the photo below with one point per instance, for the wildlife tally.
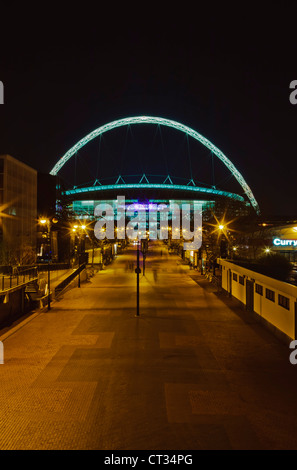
(149, 161)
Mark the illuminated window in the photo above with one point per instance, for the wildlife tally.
(270, 295)
(284, 301)
(241, 280)
(259, 289)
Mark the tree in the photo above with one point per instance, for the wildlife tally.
(17, 254)
(275, 265)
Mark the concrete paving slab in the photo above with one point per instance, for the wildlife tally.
(193, 371)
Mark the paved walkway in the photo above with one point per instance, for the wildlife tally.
(192, 372)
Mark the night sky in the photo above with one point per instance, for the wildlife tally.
(224, 72)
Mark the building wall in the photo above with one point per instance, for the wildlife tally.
(18, 198)
(280, 312)
(262, 241)
(286, 237)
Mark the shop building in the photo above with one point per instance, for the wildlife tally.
(18, 202)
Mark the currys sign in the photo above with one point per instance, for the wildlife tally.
(285, 242)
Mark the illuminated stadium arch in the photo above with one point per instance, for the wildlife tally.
(164, 122)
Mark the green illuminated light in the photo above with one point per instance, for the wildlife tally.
(174, 187)
(164, 122)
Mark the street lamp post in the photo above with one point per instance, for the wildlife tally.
(49, 225)
(48, 284)
(137, 271)
(93, 252)
(144, 250)
(82, 229)
(78, 269)
(143, 264)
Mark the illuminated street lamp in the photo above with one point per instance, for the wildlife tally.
(81, 229)
(222, 239)
(49, 223)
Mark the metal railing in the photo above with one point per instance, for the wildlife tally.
(16, 278)
(44, 267)
(62, 285)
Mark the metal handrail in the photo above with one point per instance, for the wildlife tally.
(14, 280)
(62, 285)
